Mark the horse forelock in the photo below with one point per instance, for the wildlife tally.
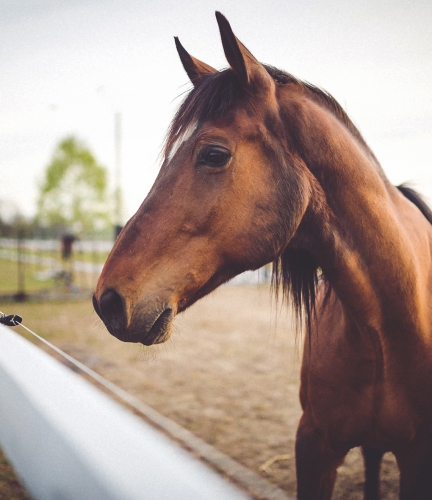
(216, 94)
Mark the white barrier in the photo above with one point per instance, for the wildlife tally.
(8, 252)
(55, 245)
(68, 441)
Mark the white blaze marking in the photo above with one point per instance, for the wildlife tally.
(181, 139)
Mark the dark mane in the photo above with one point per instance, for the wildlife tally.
(219, 92)
(216, 94)
(294, 271)
(296, 274)
(418, 201)
(323, 98)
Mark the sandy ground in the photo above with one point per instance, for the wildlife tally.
(229, 374)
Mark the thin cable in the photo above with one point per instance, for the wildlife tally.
(117, 391)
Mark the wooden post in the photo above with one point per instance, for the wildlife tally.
(20, 296)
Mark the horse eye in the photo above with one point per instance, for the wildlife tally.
(214, 156)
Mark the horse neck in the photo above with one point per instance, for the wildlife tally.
(361, 230)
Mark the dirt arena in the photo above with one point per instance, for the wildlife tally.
(229, 374)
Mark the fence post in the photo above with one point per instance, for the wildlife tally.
(20, 296)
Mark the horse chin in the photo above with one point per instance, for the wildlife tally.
(149, 325)
(158, 335)
(160, 330)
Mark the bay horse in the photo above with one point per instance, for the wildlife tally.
(261, 167)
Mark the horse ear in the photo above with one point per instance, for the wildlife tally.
(243, 63)
(194, 68)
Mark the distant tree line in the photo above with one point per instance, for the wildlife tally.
(11, 222)
(73, 198)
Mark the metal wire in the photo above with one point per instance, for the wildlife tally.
(117, 391)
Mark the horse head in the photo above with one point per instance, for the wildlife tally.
(229, 197)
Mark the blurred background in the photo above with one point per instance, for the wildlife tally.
(105, 76)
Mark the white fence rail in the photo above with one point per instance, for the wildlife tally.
(8, 251)
(68, 441)
(55, 245)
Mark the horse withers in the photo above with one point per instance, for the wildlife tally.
(261, 167)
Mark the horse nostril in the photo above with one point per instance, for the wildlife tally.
(112, 312)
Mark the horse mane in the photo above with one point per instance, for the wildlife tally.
(295, 272)
(417, 199)
(219, 92)
(327, 101)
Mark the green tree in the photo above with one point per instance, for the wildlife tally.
(74, 192)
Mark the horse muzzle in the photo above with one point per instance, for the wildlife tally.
(149, 322)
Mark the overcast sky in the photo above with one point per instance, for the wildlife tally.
(67, 66)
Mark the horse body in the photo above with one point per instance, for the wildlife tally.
(260, 167)
(367, 363)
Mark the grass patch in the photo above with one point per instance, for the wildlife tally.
(10, 487)
(9, 277)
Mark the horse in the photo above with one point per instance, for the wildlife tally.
(262, 167)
